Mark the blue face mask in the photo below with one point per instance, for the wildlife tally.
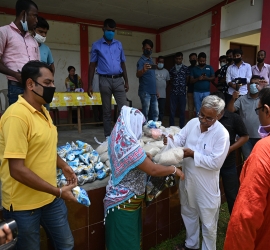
(109, 34)
(253, 88)
(24, 23)
(160, 65)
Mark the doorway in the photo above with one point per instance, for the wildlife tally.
(249, 52)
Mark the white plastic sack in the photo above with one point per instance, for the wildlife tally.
(108, 164)
(148, 148)
(104, 157)
(102, 148)
(141, 143)
(169, 154)
(158, 144)
(147, 139)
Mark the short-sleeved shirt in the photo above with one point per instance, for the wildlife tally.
(190, 85)
(26, 134)
(45, 54)
(246, 106)
(147, 82)
(202, 86)
(179, 80)
(265, 72)
(235, 126)
(162, 76)
(15, 49)
(108, 56)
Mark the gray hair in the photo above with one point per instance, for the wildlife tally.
(213, 102)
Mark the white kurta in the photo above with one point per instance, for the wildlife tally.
(200, 189)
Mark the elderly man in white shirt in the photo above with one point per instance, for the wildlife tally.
(206, 144)
(238, 70)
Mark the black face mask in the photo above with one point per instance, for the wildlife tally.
(229, 60)
(147, 52)
(193, 62)
(48, 93)
(237, 60)
(260, 60)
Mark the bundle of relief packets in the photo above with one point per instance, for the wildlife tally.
(84, 161)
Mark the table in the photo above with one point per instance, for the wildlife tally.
(78, 100)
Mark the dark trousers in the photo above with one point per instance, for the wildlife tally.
(107, 88)
(98, 113)
(161, 108)
(13, 93)
(180, 102)
(230, 182)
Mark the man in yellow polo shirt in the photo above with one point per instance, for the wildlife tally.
(28, 155)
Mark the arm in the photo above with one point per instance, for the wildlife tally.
(239, 143)
(215, 158)
(67, 170)
(248, 73)
(22, 174)
(5, 70)
(123, 66)
(158, 170)
(210, 79)
(142, 69)
(249, 208)
(194, 80)
(91, 72)
(231, 104)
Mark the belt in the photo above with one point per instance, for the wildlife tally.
(112, 76)
(15, 83)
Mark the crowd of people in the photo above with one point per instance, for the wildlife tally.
(236, 116)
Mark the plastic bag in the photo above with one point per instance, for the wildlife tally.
(155, 186)
(81, 195)
(104, 157)
(169, 154)
(86, 178)
(102, 148)
(148, 148)
(63, 150)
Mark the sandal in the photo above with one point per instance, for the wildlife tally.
(183, 247)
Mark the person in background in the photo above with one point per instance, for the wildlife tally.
(112, 72)
(222, 62)
(238, 70)
(17, 46)
(206, 145)
(126, 188)
(248, 227)
(246, 105)
(41, 31)
(223, 72)
(193, 62)
(162, 80)
(201, 76)
(147, 82)
(179, 74)
(45, 52)
(228, 172)
(28, 155)
(97, 109)
(73, 81)
(261, 69)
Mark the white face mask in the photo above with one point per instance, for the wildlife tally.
(24, 23)
(39, 38)
(222, 64)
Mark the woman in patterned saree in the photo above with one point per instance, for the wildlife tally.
(125, 190)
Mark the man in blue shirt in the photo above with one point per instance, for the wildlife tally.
(40, 36)
(147, 79)
(107, 55)
(179, 77)
(201, 76)
(45, 52)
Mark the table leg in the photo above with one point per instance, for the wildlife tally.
(70, 115)
(79, 119)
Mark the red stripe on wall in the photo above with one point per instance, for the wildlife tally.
(265, 34)
(84, 55)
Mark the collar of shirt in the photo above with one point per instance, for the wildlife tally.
(243, 63)
(22, 101)
(256, 66)
(14, 27)
(146, 58)
(249, 97)
(104, 41)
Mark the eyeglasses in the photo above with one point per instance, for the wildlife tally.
(208, 119)
(257, 110)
